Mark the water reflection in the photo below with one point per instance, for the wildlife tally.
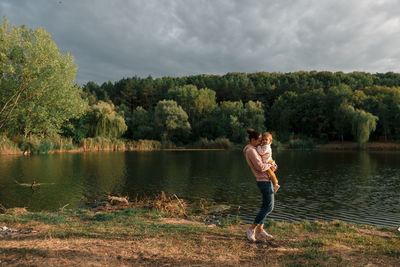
(351, 186)
(62, 179)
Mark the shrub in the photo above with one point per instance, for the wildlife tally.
(204, 143)
(37, 144)
(301, 144)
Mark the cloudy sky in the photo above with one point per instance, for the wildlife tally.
(112, 39)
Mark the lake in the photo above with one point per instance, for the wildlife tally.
(359, 187)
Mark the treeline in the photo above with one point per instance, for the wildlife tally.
(323, 106)
(40, 102)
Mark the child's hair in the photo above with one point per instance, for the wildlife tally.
(253, 134)
(268, 135)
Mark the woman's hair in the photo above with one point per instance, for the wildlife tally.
(267, 134)
(253, 134)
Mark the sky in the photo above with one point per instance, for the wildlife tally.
(115, 39)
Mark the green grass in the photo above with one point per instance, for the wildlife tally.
(229, 220)
(305, 243)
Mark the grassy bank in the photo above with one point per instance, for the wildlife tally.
(153, 236)
(57, 144)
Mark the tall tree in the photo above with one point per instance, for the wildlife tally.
(363, 123)
(196, 103)
(37, 90)
(104, 121)
(141, 125)
(172, 121)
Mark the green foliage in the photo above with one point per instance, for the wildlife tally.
(196, 103)
(38, 97)
(363, 123)
(143, 145)
(384, 102)
(204, 143)
(254, 115)
(45, 144)
(231, 115)
(103, 217)
(37, 90)
(77, 128)
(283, 113)
(301, 143)
(105, 122)
(228, 221)
(7, 146)
(236, 118)
(45, 217)
(171, 120)
(210, 127)
(101, 143)
(141, 124)
(199, 105)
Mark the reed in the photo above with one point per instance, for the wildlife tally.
(48, 144)
(8, 147)
(102, 144)
(218, 143)
(143, 145)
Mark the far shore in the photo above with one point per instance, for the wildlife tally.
(332, 146)
(370, 146)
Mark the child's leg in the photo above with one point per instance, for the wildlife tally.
(272, 177)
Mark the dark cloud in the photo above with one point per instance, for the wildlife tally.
(115, 39)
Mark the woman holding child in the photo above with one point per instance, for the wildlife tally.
(261, 171)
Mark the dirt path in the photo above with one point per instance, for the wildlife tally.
(212, 247)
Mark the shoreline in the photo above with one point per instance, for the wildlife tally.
(370, 146)
(331, 146)
(152, 236)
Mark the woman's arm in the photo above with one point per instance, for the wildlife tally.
(257, 162)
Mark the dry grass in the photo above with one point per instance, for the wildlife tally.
(125, 235)
(213, 247)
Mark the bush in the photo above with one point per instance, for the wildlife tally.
(167, 144)
(301, 144)
(30, 143)
(36, 144)
(204, 143)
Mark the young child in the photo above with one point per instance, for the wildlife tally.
(265, 151)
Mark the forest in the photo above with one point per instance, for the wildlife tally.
(39, 98)
(322, 106)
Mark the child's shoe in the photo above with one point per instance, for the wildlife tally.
(276, 188)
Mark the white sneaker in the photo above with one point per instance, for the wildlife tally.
(264, 234)
(251, 234)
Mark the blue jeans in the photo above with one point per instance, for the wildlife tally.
(267, 201)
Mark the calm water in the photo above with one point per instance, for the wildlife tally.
(356, 187)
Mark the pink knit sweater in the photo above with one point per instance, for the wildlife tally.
(256, 164)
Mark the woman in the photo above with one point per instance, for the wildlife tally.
(259, 170)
